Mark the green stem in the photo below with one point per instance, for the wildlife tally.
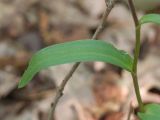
(134, 70)
(136, 55)
(137, 49)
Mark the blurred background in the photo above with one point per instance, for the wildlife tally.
(97, 91)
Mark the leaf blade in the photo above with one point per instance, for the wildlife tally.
(151, 112)
(148, 117)
(150, 18)
(76, 51)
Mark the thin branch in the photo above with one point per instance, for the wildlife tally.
(59, 92)
(110, 4)
(131, 110)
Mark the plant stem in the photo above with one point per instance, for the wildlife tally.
(136, 55)
(133, 10)
(134, 70)
(137, 49)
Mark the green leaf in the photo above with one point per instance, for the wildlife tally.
(76, 51)
(152, 112)
(150, 18)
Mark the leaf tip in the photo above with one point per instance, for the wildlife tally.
(20, 85)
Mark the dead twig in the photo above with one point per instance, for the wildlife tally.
(131, 110)
(110, 4)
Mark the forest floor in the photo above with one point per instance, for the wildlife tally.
(97, 91)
